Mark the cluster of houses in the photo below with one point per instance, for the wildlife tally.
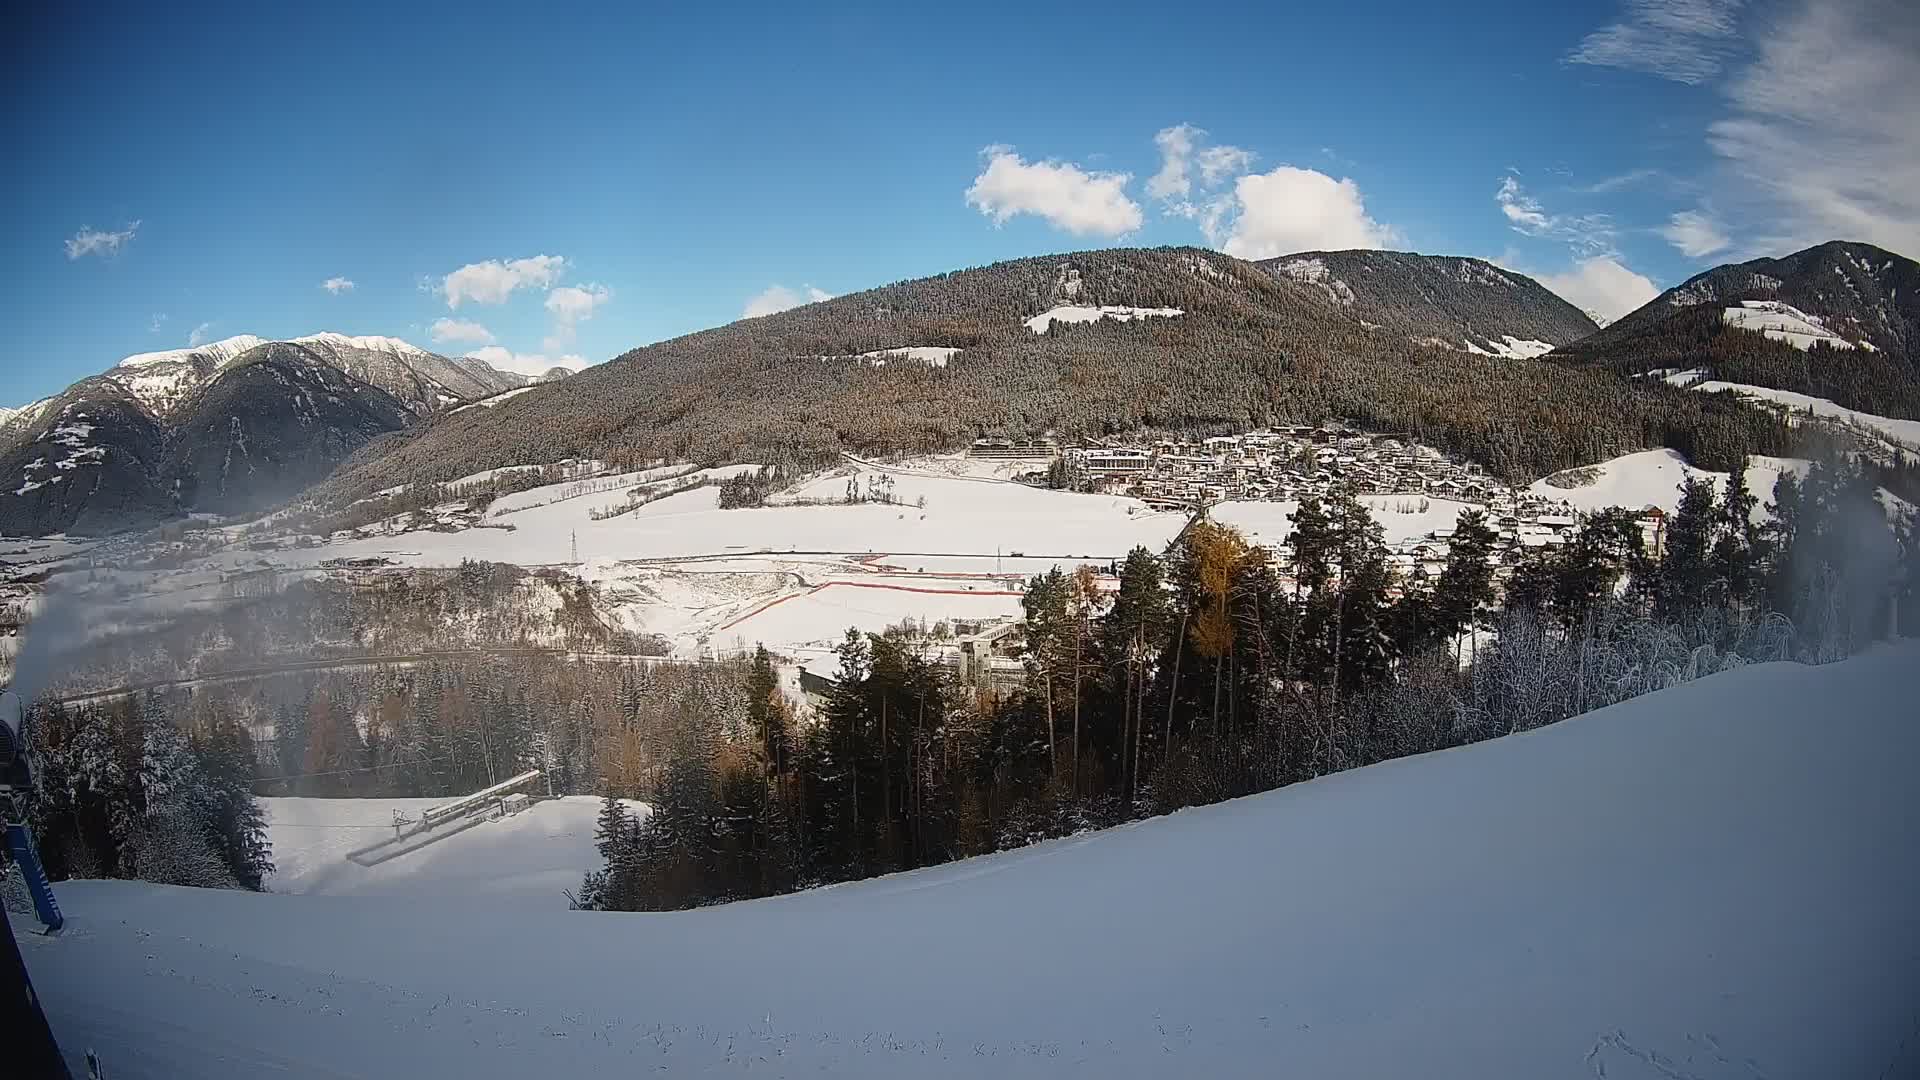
(1291, 463)
(1279, 464)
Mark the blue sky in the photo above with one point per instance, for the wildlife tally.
(553, 183)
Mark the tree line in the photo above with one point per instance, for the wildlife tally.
(1219, 669)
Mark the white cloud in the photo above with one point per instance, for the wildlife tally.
(779, 298)
(1060, 193)
(575, 303)
(1587, 234)
(92, 241)
(1176, 155)
(1687, 41)
(198, 335)
(1602, 285)
(337, 285)
(571, 305)
(1821, 143)
(154, 326)
(461, 331)
(1181, 155)
(526, 363)
(1290, 209)
(1695, 234)
(491, 282)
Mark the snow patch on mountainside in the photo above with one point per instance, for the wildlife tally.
(498, 399)
(930, 355)
(1714, 881)
(1315, 272)
(1783, 322)
(1073, 313)
(1904, 432)
(1511, 348)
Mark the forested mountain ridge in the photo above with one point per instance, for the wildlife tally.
(1466, 304)
(1840, 320)
(1247, 349)
(274, 420)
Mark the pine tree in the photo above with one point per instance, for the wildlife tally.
(233, 816)
(1736, 551)
(765, 715)
(611, 826)
(1686, 571)
(1466, 582)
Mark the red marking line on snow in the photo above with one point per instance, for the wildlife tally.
(778, 600)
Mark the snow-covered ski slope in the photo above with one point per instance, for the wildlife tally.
(524, 862)
(1718, 881)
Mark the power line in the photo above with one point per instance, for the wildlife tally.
(344, 772)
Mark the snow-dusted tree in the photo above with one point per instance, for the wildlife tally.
(171, 847)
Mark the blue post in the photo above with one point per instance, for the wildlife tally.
(21, 845)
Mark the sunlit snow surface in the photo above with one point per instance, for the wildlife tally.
(1783, 322)
(1716, 881)
(526, 861)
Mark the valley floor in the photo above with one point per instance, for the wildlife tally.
(1713, 882)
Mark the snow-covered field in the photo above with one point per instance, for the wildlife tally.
(1401, 517)
(1653, 478)
(523, 862)
(1904, 432)
(1700, 883)
(930, 355)
(1079, 313)
(1783, 322)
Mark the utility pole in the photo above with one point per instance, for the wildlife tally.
(576, 547)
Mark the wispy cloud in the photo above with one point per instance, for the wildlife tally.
(1586, 234)
(337, 285)
(780, 298)
(198, 335)
(1188, 168)
(1688, 41)
(1062, 194)
(571, 305)
(1695, 233)
(158, 320)
(92, 241)
(459, 331)
(1618, 182)
(492, 281)
(1821, 142)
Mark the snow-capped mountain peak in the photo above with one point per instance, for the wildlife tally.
(218, 352)
(368, 343)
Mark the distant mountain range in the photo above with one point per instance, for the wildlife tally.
(1104, 343)
(1456, 352)
(227, 426)
(1838, 321)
